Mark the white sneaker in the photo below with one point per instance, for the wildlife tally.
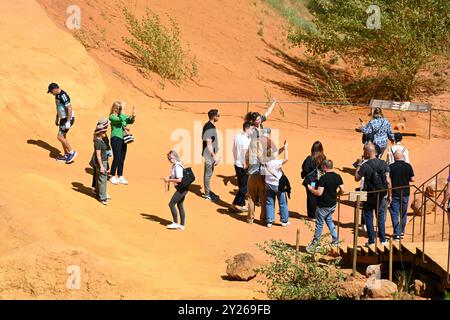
(173, 226)
(180, 227)
(114, 180)
(122, 180)
(108, 197)
(269, 225)
(243, 209)
(285, 224)
(104, 202)
(385, 243)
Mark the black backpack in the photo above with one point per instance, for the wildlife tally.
(377, 179)
(186, 181)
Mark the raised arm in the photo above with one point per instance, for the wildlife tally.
(286, 156)
(272, 106)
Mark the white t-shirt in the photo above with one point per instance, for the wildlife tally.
(241, 143)
(393, 149)
(177, 171)
(273, 172)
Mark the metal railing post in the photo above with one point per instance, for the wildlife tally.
(429, 125)
(424, 214)
(443, 222)
(435, 198)
(307, 115)
(390, 259)
(414, 219)
(355, 235)
(339, 217)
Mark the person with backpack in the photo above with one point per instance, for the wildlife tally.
(177, 200)
(119, 121)
(377, 131)
(273, 175)
(210, 149)
(376, 179)
(240, 148)
(65, 118)
(311, 172)
(401, 174)
(398, 137)
(326, 192)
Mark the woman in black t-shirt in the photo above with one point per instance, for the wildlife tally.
(311, 172)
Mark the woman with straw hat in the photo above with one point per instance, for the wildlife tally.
(100, 161)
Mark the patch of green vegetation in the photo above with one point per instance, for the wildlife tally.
(158, 48)
(291, 10)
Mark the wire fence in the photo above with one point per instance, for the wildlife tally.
(308, 114)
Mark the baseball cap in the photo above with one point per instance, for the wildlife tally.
(52, 86)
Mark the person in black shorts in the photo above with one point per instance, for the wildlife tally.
(65, 118)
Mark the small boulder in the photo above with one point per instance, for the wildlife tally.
(416, 206)
(400, 126)
(431, 187)
(374, 271)
(419, 288)
(241, 267)
(353, 287)
(380, 289)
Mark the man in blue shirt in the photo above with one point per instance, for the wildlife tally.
(65, 117)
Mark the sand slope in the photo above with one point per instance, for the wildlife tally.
(48, 217)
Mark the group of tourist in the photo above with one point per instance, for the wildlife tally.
(258, 164)
(104, 148)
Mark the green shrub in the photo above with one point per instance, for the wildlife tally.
(158, 48)
(291, 11)
(292, 276)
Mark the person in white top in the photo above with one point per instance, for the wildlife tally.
(397, 146)
(240, 148)
(273, 173)
(180, 194)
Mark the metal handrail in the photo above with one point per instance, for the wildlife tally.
(423, 216)
(447, 167)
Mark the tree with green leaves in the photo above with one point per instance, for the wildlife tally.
(395, 39)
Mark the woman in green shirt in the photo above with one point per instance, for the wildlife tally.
(119, 121)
